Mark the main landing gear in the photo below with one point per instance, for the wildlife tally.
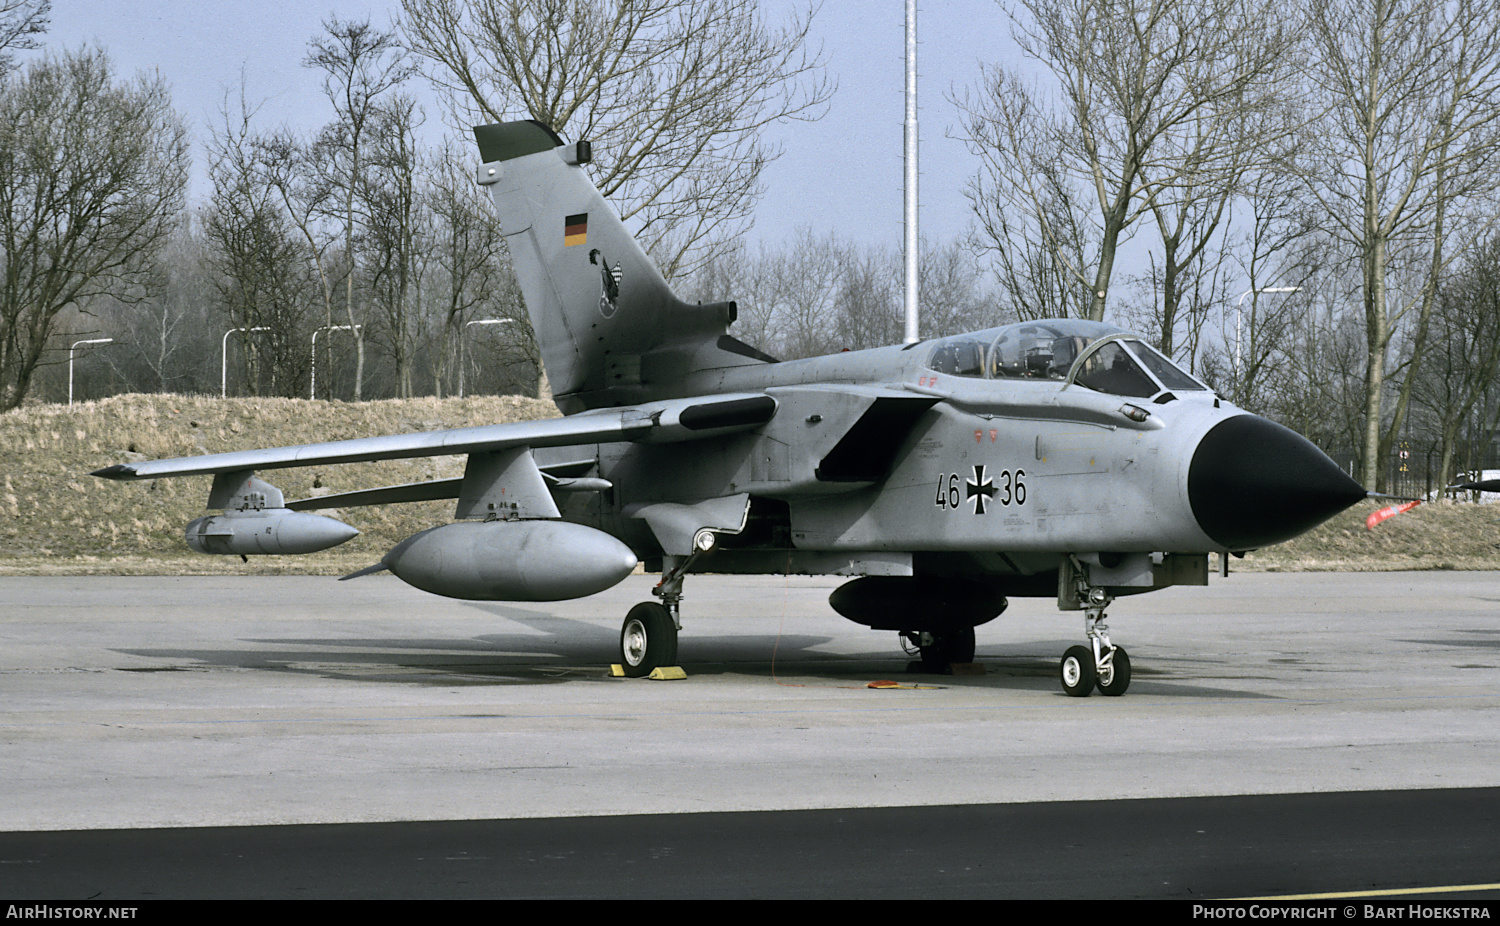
(940, 651)
(648, 638)
(1101, 664)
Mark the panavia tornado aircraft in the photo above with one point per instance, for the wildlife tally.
(1057, 458)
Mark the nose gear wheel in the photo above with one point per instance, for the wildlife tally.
(1078, 672)
(1101, 664)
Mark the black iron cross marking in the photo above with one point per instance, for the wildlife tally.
(980, 489)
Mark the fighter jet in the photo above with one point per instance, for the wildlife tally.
(1057, 458)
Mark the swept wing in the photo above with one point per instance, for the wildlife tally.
(672, 420)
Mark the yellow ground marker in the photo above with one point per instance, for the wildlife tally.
(664, 673)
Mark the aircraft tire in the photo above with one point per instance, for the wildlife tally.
(1077, 672)
(956, 646)
(1115, 681)
(948, 648)
(648, 640)
(960, 645)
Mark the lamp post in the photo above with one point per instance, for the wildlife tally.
(313, 392)
(463, 364)
(224, 358)
(1238, 313)
(70, 360)
(912, 240)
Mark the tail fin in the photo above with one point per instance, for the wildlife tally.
(610, 330)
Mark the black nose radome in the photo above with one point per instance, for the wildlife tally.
(1253, 483)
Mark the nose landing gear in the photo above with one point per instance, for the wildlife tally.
(1101, 664)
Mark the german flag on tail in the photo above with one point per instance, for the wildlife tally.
(576, 229)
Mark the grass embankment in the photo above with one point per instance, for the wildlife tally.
(56, 519)
(1438, 535)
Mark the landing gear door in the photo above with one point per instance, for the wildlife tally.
(1126, 574)
(676, 526)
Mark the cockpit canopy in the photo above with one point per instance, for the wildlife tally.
(1093, 355)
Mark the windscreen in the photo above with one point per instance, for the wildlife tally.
(1112, 369)
(1168, 373)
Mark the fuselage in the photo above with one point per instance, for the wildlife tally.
(997, 451)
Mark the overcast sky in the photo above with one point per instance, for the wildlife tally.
(842, 173)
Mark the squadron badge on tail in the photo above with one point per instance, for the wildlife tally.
(610, 283)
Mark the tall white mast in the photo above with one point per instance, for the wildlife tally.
(912, 246)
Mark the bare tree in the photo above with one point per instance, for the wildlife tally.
(1463, 355)
(1319, 390)
(1214, 157)
(1153, 100)
(1171, 301)
(472, 277)
(867, 302)
(951, 297)
(92, 180)
(787, 296)
(392, 255)
(359, 63)
(815, 295)
(258, 262)
(1031, 215)
(290, 167)
(1412, 96)
(167, 343)
(1280, 247)
(732, 273)
(21, 21)
(801, 285)
(674, 94)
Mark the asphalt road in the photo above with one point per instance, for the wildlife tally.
(1193, 849)
(298, 737)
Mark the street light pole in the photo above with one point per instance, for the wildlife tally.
(912, 240)
(70, 360)
(313, 392)
(224, 358)
(1238, 313)
(463, 364)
